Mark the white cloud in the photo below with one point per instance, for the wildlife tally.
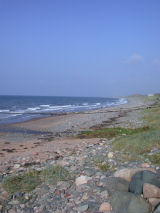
(135, 58)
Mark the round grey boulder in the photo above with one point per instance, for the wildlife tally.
(141, 177)
(112, 184)
(126, 202)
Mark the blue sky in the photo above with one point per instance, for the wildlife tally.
(79, 47)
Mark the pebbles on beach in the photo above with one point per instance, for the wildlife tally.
(87, 190)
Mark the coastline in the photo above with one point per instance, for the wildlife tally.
(31, 137)
(67, 171)
(44, 124)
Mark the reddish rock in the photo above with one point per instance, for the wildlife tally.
(145, 165)
(67, 194)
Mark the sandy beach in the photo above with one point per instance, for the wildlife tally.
(43, 138)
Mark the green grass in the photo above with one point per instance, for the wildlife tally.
(155, 158)
(22, 183)
(104, 167)
(111, 132)
(139, 143)
(28, 181)
(53, 174)
(136, 146)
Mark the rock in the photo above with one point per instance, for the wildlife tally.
(157, 210)
(82, 180)
(82, 208)
(150, 191)
(104, 194)
(137, 181)
(63, 184)
(128, 173)
(13, 202)
(63, 163)
(85, 196)
(126, 202)
(110, 155)
(105, 207)
(16, 166)
(145, 165)
(112, 184)
(12, 211)
(4, 195)
(154, 201)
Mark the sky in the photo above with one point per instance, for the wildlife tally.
(97, 48)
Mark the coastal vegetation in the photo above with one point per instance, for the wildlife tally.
(28, 181)
(138, 145)
(111, 132)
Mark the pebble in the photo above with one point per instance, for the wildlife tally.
(105, 207)
(82, 208)
(17, 166)
(82, 180)
(14, 202)
(84, 191)
(110, 155)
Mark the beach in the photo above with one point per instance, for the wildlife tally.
(87, 161)
(39, 138)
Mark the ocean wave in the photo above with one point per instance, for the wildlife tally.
(4, 110)
(85, 104)
(35, 109)
(45, 105)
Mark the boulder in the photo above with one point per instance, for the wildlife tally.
(82, 180)
(154, 201)
(112, 184)
(126, 202)
(150, 191)
(157, 210)
(128, 173)
(138, 179)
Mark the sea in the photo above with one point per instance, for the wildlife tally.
(21, 108)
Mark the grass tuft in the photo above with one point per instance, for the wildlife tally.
(104, 167)
(155, 158)
(53, 174)
(28, 181)
(22, 183)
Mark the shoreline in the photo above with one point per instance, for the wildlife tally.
(52, 114)
(31, 137)
(77, 172)
(60, 116)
